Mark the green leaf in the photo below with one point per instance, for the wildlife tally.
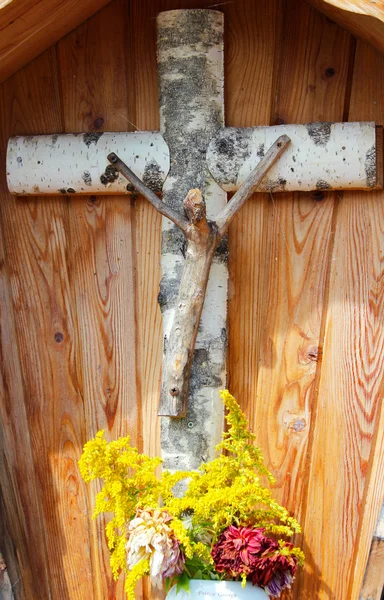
(198, 574)
(183, 584)
(167, 584)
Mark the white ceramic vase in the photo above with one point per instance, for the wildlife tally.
(218, 590)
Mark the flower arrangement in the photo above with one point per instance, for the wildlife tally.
(226, 525)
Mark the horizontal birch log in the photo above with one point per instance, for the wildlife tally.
(78, 164)
(322, 156)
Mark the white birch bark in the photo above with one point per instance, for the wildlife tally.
(77, 163)
(191, 78)
(321, 156)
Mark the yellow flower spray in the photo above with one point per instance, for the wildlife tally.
(225, 491)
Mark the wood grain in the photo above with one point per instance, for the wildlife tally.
(28, 27)
(277, 380)
(21, 533)
(36, 242)
(83, 347)
(346, 468)
(251, 63)
(367, 99)
(363, 18)
(102, 252)
(144, 103)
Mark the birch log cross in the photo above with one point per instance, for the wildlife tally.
(203, 238)
(193, 150)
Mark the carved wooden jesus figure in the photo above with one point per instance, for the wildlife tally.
(203, 238)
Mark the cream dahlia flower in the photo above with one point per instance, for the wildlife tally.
(150, 538)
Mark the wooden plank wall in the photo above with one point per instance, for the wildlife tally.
(80, 330)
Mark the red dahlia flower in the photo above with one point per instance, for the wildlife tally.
(248, 551)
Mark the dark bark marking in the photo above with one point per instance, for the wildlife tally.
(110, 175)
(319, 133)
(86, 177)
(222, 251)
(173, 241)
(179, 99)
(275, 185)
(232, 148)
(91, 138)
(195, 29)
(153, 176)
(169, 290)
(323, 185)
(261, 150)
(370, 167)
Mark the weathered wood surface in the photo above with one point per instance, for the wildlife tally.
(294, 67)
(28, 27)
(77, 163)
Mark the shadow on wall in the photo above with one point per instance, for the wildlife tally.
(319, 588)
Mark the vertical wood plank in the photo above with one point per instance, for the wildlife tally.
(347, 470)
(252, 34)
(36, 241)
(280, 261)
(144, 103)
(20, 502)
(313, 83)
(299, 242)
(93, 75)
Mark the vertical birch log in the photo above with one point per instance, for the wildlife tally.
(191, 80)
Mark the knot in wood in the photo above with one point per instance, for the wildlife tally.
(309, 353)
(194, 205)
(298, 424)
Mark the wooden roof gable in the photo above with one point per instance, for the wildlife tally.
(28, 27)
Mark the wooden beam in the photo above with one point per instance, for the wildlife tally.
(28, 27)
(77, 163)
(322, 156)
(363, 18)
